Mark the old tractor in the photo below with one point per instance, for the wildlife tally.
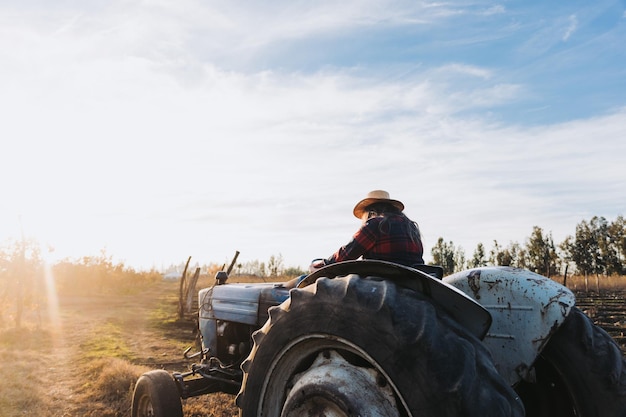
(376, 339)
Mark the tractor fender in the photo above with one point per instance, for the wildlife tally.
(462, 308)
(526, 310)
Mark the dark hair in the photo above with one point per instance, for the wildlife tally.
(385, 210)
(382, 208)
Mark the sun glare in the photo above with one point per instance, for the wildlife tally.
(52, 298)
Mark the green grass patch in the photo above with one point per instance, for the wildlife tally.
(165, 318)
(107, 341)
(165, 314)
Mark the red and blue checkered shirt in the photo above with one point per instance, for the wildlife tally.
(383, 238)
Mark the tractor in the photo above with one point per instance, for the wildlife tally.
(376, 339)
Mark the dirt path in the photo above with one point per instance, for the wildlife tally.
(59, 379)
(92, 350)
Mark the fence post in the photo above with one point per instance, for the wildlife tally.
(181, 291)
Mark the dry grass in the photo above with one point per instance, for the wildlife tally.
(593, 282)
(213, 405)
(88, 365)
(108, 386)
(19, 381)
(24, 355)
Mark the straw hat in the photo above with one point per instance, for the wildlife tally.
(376, 196)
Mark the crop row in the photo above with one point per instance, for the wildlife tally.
(608, 310)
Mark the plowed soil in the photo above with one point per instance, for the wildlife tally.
(607, 308)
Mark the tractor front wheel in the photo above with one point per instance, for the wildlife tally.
(156, 395)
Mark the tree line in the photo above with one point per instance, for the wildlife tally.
(597, 247)
(27, 281)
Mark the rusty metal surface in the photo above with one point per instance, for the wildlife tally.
(526, 309)
(333, 387)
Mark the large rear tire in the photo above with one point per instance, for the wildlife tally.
(401, 356)
(580, 373)
(156, 395)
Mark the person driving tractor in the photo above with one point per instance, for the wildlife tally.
(386, 234)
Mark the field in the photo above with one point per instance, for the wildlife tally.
(83, 358)
(85, 361)
(604, 300)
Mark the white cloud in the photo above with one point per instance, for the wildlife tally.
(245, 159)
(123, 130)
(573, 26)
(471, 70)
(496, 9)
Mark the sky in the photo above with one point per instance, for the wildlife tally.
(157, 130)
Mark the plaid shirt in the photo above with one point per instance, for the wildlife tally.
(389, 241)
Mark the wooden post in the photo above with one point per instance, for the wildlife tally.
(181, 291)
(565, 276)
(232, 264)
(190, 291)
